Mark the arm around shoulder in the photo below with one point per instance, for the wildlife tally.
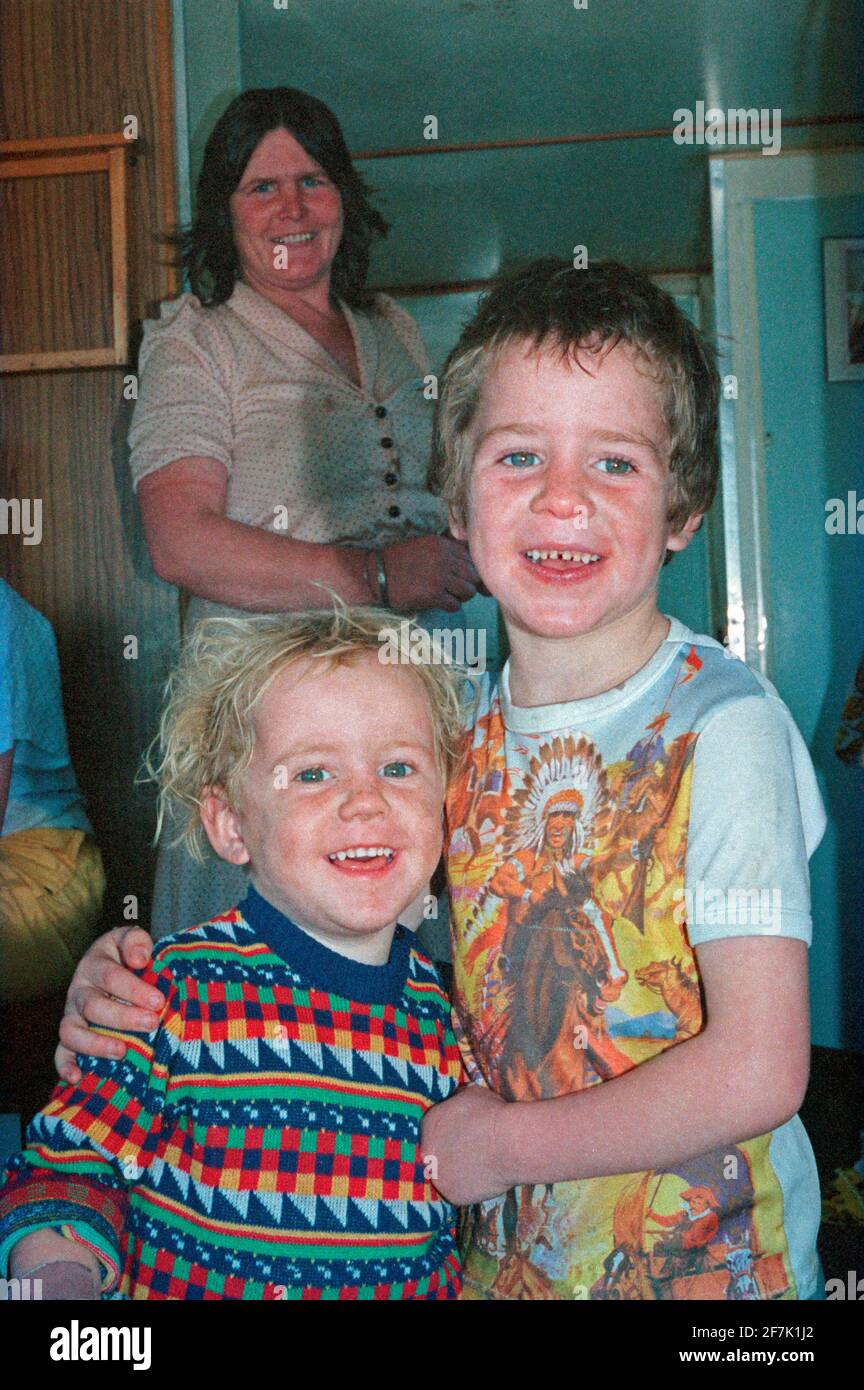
(105, 990)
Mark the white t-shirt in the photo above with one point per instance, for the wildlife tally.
(591, 846)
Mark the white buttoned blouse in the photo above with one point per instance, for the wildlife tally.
(308, 453)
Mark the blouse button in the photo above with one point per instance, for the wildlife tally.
(391, 479)
(380, 411)
(393, 511)
(386, 442)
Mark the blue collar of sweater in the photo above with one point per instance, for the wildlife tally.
(322, 968)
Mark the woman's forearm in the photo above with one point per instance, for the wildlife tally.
(249, 568)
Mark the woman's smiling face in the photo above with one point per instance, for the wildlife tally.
(286, 217)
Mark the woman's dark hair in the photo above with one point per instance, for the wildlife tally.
(207, 250)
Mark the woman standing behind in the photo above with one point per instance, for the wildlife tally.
(281, 438)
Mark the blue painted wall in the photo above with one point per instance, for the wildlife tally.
(816, 583)
(521, 69)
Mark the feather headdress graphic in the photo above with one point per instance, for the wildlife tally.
(566, 777)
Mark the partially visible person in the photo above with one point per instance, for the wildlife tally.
(51, 877)
(282, 436)
(263, 1140)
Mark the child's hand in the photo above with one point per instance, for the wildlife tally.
(97, 993)
(66, 1269)
(461, 1136)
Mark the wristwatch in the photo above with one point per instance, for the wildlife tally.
(381, 576)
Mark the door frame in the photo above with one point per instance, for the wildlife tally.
(737, 183)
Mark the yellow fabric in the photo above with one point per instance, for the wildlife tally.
(51, 888)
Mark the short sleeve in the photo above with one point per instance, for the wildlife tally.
(31, 705)
(183, 408)
(756, 816)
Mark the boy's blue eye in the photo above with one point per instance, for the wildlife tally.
(622, 464)
(263, 186)
(312, 179)
(520, 458)
(398, 769)
(312, 774)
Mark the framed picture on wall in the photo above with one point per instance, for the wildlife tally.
(844, 307)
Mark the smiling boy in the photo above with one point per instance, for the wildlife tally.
(622, 763)
(262, 1141)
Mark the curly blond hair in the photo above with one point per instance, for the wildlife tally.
(206, 734)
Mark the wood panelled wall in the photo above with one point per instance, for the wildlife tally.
(72, 67)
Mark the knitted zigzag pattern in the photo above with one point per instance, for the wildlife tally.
(263, 1143)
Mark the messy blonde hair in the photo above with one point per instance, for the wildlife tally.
(206, 735)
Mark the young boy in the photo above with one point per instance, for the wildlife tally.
(262, 1141)
(630, 789)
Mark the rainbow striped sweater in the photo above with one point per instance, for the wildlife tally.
(264, 1141)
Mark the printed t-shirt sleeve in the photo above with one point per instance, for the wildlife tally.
(92, 1142)
(756, 816)
(183, 408)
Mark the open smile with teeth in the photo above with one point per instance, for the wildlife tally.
(580, 557)
(292, 238)
(363, 852)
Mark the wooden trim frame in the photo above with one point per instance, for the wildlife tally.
(738, 182)
(689, 281)
(30, 159)
(585, 138)
(166, 152)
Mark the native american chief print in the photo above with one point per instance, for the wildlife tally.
(582, 853)
(567, 852)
